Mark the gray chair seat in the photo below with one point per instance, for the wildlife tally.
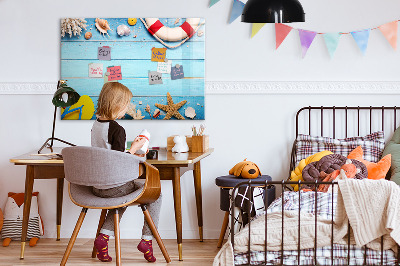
(83, 196)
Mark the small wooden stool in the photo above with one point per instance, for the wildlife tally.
(226, 183)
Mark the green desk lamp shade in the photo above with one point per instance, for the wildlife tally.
(73, 96)
(59, 101)
(273, 11)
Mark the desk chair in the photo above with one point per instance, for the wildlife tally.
(85, 167)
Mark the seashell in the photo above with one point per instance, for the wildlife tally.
(123, 30)
(132, 21)
(200, 33)
(88, 35)
(177, 21)
(190, 112)
(102, 26)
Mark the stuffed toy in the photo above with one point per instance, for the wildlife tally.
(13, 215)
(375, 170)
(180, 144)
(296, 174)
(245, 169)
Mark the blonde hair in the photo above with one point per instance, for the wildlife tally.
(113, 97)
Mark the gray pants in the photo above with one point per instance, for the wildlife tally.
(154, 208)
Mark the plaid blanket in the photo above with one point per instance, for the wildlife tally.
(323, 205)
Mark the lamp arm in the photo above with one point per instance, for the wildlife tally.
(54, 126)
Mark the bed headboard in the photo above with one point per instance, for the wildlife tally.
(344, 121)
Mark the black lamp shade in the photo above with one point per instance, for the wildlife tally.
(73, 97)
(273, 11)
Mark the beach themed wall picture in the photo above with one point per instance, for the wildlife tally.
(161, 60)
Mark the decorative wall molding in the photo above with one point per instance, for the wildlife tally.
(248, 87)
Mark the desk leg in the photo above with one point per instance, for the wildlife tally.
(199, 204)
(27, 206)
(60, 190)
(176, 182)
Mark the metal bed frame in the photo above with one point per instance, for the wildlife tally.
(283, 184)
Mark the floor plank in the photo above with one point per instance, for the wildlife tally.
(50, 252)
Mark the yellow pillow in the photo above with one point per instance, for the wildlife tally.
(296, 174)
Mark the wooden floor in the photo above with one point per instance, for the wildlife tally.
(50, 252)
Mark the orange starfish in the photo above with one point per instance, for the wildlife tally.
(172, 108)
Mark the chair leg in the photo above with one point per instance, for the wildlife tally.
(73, 237)
(154, 230)
(101, 222)
(117, 239)
(223, 229)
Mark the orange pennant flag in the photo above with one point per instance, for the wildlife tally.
(281, 31)
(389, 30)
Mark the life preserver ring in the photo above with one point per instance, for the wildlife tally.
(186, 30)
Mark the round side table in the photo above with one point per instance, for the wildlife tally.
(228, 182)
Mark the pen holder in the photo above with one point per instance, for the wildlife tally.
(200, 143)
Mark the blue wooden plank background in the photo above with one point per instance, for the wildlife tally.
(133, 54)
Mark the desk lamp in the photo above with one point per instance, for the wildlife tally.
(273, 11)
(63, 97)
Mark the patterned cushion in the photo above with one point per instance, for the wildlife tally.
(372, 144)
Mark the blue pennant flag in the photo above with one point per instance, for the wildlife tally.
(332, 41)
(213, 2)
(237, 8)
(361, 37)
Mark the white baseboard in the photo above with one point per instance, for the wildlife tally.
(248, 87)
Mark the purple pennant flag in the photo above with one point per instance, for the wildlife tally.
(306, 39)
(237, 8)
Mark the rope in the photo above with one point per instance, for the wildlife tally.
(179, 44)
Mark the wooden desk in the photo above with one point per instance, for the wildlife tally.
(169, 165)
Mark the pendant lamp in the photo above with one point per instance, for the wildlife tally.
(273, 11)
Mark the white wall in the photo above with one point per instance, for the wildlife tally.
(259, 127)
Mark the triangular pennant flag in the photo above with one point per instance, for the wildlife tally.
(281, 31)
(332, 41)
(361, 37)
(255, 28)
(237, 8)
(306, 39)
(213, 2)
(390, 32)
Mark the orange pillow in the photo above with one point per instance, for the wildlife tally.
(375, 170)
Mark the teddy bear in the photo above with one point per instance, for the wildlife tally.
(180, 144)
(13, 215)
(245, 169)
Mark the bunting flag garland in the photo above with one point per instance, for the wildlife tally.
(213, 2)
(237, 8)
(281, 31)
(361, 37)
(255, 28)
(389, 30)
(306, 39)
(332, 41)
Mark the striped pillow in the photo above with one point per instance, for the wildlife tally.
(372, 145)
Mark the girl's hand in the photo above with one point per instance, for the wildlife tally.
(142, 155)
(137, 144)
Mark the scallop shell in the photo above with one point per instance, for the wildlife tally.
(123, 30)
(102, 26)
(88, 35)
(190, 112)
